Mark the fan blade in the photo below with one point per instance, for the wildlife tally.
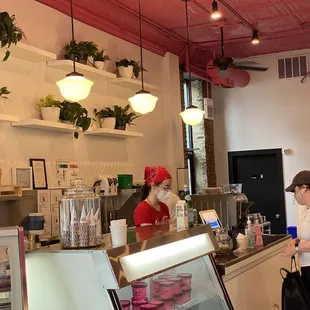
(246, 63)
(248, 68)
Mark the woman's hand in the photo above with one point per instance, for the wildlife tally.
(289, 251)
(293, 242)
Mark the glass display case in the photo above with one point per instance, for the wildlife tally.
(193, 285)
(159, 270)
(13, 294)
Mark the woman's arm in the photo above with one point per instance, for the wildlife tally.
(304, 246)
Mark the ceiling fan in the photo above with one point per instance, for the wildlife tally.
(223, 63)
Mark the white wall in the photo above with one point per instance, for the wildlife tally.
(49, 29)
(268, 113)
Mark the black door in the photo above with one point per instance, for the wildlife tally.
(261, 174)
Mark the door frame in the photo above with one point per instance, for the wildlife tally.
(277, 152)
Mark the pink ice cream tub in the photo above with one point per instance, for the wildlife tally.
(136, 304)
(177, 285)
(125, 304)
(156, 287)
(169, 303)
(178, 299)
(139, 290)
(186, 296)
(166, 289)
(187, 281)
(165, 277)
(160, 304)
(148, 307)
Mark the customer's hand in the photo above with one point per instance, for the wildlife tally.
(293, 242)
(289, 251)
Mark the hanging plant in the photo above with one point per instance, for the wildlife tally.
(9, 33)
(3, 92)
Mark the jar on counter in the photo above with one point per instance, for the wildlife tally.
(136, 304)
(166, 289)
(125, 304)
(80, 217)
(177, 285)
(186, 281)
(160, 304)
(139, 290)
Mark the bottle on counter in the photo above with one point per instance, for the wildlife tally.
(189, 204)
(250, 233)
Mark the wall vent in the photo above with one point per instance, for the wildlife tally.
(292, 67)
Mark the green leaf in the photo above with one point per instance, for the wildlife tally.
(76, 135)
(7, 55)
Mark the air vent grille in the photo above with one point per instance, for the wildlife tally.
(292, 67)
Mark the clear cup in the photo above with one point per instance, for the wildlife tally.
(118, 235)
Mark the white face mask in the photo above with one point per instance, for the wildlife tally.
(163, 196)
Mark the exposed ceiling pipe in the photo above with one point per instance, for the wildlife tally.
(153, 24)
(243, 20)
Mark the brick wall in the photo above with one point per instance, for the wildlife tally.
(209, 137)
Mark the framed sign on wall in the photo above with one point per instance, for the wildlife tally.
(38, 173)
(22, 176)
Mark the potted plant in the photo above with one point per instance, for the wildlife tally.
(3, 95)
(50, 108)
(9, 32)
(106, 118)
(123, 116)
(125, 67)
(137, 69)
(81, 51)
(100, 59)
(75, 114)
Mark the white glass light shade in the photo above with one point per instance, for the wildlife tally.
(143, 102)
(192, 115)
(75, 87)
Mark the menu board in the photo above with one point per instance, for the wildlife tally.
(5, 279)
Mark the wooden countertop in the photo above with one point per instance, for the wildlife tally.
(224, 261)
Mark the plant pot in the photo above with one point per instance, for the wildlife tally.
(99, 65)
(125, 71)
(120, 126)
(108, 122)
(83, 61)
(50, 114)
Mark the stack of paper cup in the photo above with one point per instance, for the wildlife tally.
(242, 242)
(118, 231)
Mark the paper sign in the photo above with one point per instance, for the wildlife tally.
(44, 203)
(258, 235)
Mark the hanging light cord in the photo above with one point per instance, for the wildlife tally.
(141, 56)
(188, 58)
(73, 39)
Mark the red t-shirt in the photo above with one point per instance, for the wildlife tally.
(146, 214)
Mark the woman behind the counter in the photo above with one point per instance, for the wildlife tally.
(152, 210)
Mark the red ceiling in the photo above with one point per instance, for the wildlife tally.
(282, 24)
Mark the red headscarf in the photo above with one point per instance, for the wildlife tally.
(156, 175)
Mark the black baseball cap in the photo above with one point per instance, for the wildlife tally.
(301, 178)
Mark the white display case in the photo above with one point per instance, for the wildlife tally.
(101, 278)
(13, 293)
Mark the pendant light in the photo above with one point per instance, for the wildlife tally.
(74, 87)
(192, 115)
(216, 14)
(255, 37)
(142, 102)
